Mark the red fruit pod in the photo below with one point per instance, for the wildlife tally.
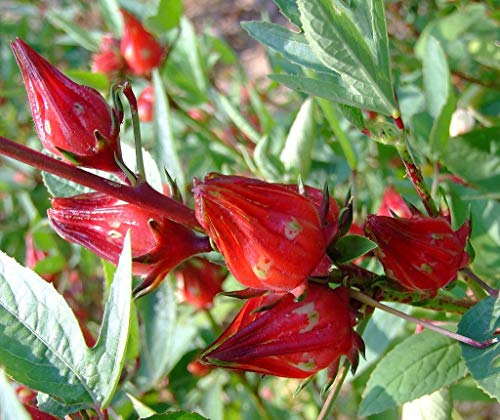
(419, 253)
(72, 120)
(270, 236)
(140, 49)
(145, 104)
(199, 281)
(291, 339)
(393, 202)
(108, 59)
(100, 222)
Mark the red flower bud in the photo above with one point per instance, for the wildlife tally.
(420, 253)
(291, 339)
(72, 121)
(145, 104)
(392, 201)
(100, 222)
(109, 59)
(139, 48)
(270, 236)
(200, 281)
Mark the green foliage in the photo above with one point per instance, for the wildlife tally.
(480, 323)
(419, 365)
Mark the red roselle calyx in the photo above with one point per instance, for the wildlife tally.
(420, 253)
(145, 104)
(270, 236)
(199, 281)
(108, 59)
(291, 339)
(100, 222)
(72, 120)
(393, 202)
(140, 49)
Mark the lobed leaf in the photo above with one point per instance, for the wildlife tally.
(291, 45)
(419, 365)
(337, 42)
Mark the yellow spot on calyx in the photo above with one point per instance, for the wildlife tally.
(292, 229)
(47, 127)
(261, 269)
(308, 309)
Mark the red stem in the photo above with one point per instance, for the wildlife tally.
(142, 195)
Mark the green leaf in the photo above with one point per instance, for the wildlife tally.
(107, 356)
(60, 187)
(268, 164)
(43, 348)
(291, 45)
(353, 115)
(436, 406)
(475, 157)
(98, 81)
(158, 312)
(10, 407)
(333, 120)
(419, 365)
(140, 408)
(167, 147)
(351, 247)
(236, 117)
(168, 15)
(369, 18)
(297, 152)
(337, 42)
(438, 93)
(81, 36)
(110, 11)
(334, 89)
(480, 323)
(290, 10)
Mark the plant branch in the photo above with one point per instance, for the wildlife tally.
(459, 337)
(416, 177)
(142, 195)
(474, 277)
(334, 391)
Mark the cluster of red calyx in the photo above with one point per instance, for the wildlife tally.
(137, 52)
(273, 237)
(76, 123)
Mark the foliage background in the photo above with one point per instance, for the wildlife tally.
(206, 72)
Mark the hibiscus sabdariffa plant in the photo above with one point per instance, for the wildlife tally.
(309, 285)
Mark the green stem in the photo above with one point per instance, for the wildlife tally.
(129, 94)
(459, 337)
(142, 195)
(333, 121)
(334, 391)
